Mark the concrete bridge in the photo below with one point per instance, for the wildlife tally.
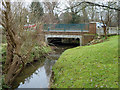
(83, 32)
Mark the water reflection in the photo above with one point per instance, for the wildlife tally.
(37, 74)
(40, 80)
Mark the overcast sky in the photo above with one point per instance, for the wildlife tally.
(62, 0)
(62, 5)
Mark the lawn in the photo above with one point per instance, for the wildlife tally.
(94, 66)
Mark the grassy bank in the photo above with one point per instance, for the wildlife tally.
(88, 66)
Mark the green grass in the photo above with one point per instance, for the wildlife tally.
(94, 66)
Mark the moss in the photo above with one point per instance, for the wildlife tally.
(94, 66)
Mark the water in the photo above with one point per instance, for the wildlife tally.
(37, 74)
(40, 78)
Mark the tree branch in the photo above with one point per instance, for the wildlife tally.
(93, 4)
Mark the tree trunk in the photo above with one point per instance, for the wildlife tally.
(13, 71)
(105, 31)
(18, 41)
(9, 57)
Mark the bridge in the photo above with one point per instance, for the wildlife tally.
(83, 32)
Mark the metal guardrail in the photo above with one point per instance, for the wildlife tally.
(67, 27)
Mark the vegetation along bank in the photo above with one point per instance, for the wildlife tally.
(36, 53)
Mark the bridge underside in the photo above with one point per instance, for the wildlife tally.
(64, 36)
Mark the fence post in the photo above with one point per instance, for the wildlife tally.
(48, 28)
(64, 28)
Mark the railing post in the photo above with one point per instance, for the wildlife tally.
(48, 29)
(64, 28)
(81, 30)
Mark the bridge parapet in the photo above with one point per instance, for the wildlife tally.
(85, 28)
(66, 27)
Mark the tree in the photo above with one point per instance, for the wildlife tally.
(50, 12)
(36, 10)
(65, 18)
(108, 9)
(19, 41)
(79, 14)
(106, 15)
(75, 18)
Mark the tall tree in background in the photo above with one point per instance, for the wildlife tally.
(73, 12)
(36, 10)
(79, 13)
(50, 10)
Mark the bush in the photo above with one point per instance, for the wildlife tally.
(38, 52)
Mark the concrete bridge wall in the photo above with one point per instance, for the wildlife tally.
(63, 36)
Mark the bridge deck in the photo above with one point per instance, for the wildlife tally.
(65, 33)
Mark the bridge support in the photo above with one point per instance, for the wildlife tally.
(80, 41)
(63, 36)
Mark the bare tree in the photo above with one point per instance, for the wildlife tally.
(19, 41)
(108, 11)
(79, 14)
(107, 15)
(37, 11)
(65, 18)
(50, 10)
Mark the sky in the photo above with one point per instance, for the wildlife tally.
(62, 0)
(62, 5)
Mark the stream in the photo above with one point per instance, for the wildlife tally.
(37, 74)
